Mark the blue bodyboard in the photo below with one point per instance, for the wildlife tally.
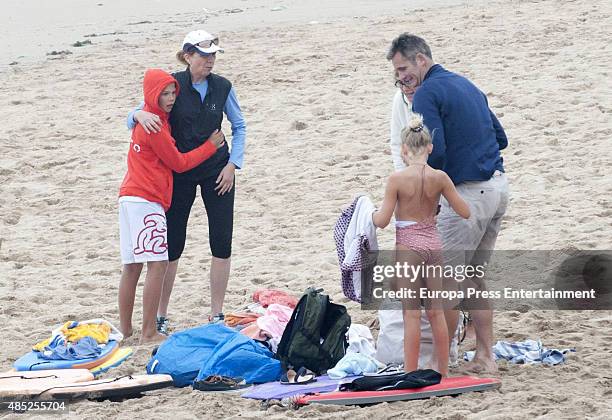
(34, 361)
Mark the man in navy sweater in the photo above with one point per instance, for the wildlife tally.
(467, 139)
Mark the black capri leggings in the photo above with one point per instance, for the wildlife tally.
(219, 209)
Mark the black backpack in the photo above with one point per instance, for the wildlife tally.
(316, 335)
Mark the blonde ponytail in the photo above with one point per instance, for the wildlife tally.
(416, 135)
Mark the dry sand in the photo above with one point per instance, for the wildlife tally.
(317, 101)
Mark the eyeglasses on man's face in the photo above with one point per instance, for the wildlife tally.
(410, 83)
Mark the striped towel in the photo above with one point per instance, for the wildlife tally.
(525, 352)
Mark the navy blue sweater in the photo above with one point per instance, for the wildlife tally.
(467, 137)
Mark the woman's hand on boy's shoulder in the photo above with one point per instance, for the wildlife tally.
(151, 123)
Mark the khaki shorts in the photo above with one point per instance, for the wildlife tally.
(471, 241)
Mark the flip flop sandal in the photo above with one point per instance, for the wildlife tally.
(301, 377)
(390, 369)
(219, 383)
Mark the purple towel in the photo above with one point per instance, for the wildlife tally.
(276, 390)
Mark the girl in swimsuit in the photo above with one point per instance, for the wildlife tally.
(413, 193)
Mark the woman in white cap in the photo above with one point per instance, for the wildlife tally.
(198, 111)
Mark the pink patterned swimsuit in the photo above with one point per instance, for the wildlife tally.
(421, 237)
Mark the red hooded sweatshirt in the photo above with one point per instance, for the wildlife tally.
(153, 157)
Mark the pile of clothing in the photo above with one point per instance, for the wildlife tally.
(265, 319)
(78, 340)
(525, 352)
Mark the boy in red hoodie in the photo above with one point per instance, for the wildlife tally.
(145, 195)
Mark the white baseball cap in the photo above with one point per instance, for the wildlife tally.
(202, 42)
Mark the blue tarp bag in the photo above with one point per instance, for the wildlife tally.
(213, 349)
(242, 357)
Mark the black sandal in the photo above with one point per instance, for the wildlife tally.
(219, 383)
(301, 377)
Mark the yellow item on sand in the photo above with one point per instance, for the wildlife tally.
(99, 332)
(41, 346)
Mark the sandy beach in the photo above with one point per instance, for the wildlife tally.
(316, 93)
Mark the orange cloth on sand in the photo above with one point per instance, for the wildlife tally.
(269, 296)
(240, 318)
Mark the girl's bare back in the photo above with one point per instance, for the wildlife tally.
(418, 195)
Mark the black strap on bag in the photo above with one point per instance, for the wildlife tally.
(416, 379)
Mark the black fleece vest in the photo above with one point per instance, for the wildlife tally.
(193, 121)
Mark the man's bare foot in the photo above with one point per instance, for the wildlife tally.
(480, 366)
(127, 333)
(157, 338)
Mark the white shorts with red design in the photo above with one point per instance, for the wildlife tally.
(143, 234)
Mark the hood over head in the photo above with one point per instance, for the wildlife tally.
(156, 80)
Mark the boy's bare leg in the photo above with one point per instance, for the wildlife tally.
(168, 284)
(150, 301)
(219, 277)
(127, 293)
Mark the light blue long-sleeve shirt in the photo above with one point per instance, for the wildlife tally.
(234, 116)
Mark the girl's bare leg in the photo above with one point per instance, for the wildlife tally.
(411, 309)
(435, 313)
